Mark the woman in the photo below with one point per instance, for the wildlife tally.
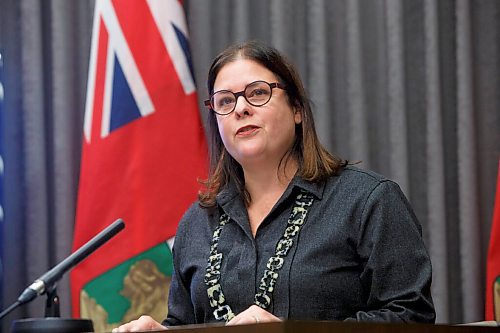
(284, 229)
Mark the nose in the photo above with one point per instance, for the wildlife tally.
(243, 108)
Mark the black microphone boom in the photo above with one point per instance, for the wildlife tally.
(49, 279)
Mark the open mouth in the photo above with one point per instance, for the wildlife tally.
(246, 129)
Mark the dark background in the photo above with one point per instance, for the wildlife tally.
(411, 88)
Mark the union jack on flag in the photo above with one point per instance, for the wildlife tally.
(125, 94)
(143, 151)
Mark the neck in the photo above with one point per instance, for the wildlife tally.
(268, 182)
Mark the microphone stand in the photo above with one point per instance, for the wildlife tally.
(46, 284)
(52, 308)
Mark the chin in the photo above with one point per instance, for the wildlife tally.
(248, 151)
(249, 156)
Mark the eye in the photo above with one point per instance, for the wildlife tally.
(258, 92)
(225, 101)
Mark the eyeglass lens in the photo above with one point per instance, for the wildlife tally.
(256, 93)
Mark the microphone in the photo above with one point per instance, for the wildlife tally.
(47, 281)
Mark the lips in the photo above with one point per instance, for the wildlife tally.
(246, 130)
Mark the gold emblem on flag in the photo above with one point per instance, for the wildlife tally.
(145, 287)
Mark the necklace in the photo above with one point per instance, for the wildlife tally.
(222, 311)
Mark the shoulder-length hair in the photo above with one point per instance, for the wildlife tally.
(315, 163)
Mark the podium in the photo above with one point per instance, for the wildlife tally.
(291, 326)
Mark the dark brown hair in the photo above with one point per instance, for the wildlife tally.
(315, 163)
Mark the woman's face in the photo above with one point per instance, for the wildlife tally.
(255, 136)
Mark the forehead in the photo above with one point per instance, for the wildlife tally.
(236, 74)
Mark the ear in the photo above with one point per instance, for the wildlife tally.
(297, 115)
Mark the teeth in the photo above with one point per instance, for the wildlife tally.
(247, 128)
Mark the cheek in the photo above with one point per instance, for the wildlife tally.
(222, 129)
(284, 124)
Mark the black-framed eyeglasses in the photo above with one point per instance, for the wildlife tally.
(257, 93)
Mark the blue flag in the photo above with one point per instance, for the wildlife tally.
(1, 178)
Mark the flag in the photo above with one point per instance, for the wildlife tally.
(493, 262)
(1, 179)
(143, 151)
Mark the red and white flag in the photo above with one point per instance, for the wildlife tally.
(143, 150)
(493, 262)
